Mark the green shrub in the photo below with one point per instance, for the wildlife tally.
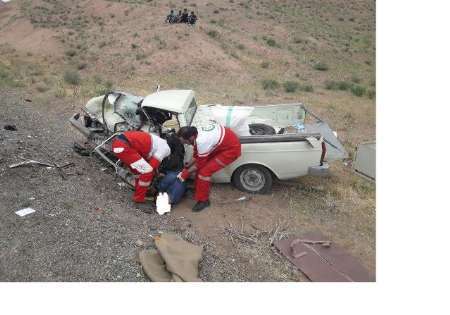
(103, 88)
(320, 66)
(265, 65)
(71, 52)
(343, 85)
(213, 34)
(98, 79)
(371, 94)
(72, 77)
(306, 88)
(234, 55)
(141, 56)
(331, 85)
(291, 86)
(271, 42)
(241, 46)
(337, 85)
(134, 46)
(358, 90)
(270, 84)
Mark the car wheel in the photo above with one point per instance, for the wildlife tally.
(261, 129)
(253, 179)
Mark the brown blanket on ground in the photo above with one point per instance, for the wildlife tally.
(173, 260)
(321, 260)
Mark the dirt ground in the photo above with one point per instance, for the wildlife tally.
(86, 228)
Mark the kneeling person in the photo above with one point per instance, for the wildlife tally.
(215, 147)
(142, 153)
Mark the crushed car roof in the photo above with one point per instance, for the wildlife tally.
(171, 100)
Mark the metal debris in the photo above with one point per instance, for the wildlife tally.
(10, 127)
(320, 260)
(25, 211)
(30, 162)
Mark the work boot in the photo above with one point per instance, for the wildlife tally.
(200, 205)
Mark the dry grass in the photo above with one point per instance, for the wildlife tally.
(240, 55)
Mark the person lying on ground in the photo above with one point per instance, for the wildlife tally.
(142, 153)
(215, 147)
(172, 185)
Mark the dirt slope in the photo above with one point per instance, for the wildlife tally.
(86, 228)
(61, 53)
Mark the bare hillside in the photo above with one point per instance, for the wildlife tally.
(239, 51)
(55, 55)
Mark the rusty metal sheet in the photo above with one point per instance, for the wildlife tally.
(321, 260)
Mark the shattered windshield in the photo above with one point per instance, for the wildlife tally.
(190, 112)
(125, 105)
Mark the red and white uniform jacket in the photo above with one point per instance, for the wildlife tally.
(150, 147)
(215, 140)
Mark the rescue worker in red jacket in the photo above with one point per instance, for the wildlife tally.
(215, 147)
(142, 153)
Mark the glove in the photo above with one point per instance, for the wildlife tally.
(183, 175)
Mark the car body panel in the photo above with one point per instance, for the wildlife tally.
(290, 153)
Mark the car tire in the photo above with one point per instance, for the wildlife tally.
(252, 178)
(261, 129)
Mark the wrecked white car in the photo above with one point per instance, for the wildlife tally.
(278, 141)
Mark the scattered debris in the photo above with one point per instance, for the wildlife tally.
(323, 243)
(34, 162)
(81, 149)
(240, 235)
(60, 171)
(241, 199)
(30, 162)
(173, 260)
(320, 260)
(121, 184)
(49, 166)
(139, 243)
(279, 231)
(153, 232)
(25, 211)
(365, 160)
(10, 127)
